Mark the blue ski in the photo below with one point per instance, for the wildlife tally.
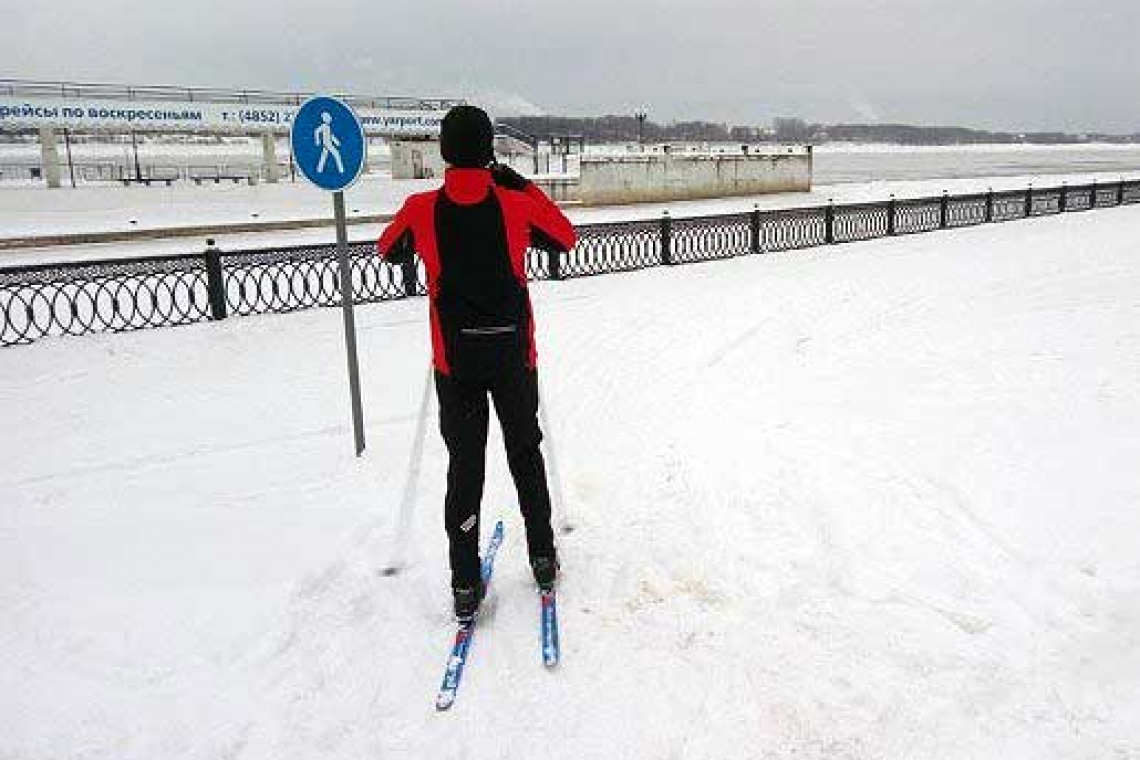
(466, 631)
(549, 608)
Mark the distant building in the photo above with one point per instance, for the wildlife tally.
(791, 129)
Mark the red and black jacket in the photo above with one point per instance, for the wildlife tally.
(472, 236)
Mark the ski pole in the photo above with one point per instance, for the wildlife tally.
(559, 507)
(404, 520)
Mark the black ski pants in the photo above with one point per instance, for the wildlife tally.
(463, 417)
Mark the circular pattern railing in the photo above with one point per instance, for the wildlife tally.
(1046, 202)
(1105, 196)
(709, 238)
(284, 280)
(965, 211)
(613, 247)
(791, 229)
(921, 215)
(1009, 206)
(114, 296)
(1078, 199)
(861, 222)
(537, 265)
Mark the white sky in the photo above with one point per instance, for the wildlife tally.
(1007, 64)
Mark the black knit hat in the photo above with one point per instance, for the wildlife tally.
(467, 138)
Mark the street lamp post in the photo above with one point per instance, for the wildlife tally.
(640, 116)
(135, 149)
(70, 162)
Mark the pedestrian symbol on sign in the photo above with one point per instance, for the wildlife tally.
(327, 141)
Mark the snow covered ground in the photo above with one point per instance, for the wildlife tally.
(26, 211)
(871, 501)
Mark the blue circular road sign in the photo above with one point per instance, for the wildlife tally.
(328, 143)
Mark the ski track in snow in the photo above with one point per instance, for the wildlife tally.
(873, 501)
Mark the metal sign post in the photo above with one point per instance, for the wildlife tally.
(330, 149)
(349, 322)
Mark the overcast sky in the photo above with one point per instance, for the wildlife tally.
(1007, 64)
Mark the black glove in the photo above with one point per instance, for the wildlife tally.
(403, 249)
(507, 177)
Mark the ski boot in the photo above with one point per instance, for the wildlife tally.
(467, 601)
(545, 571)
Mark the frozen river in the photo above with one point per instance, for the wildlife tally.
(839, 163)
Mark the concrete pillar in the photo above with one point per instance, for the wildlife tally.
(269, 157)
(49, 157)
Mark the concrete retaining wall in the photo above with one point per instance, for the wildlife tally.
(646, 178)
(559, 189)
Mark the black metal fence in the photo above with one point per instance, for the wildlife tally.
(130, 294)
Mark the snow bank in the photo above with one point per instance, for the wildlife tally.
(870, 501)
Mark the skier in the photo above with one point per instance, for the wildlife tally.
(472, 235)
